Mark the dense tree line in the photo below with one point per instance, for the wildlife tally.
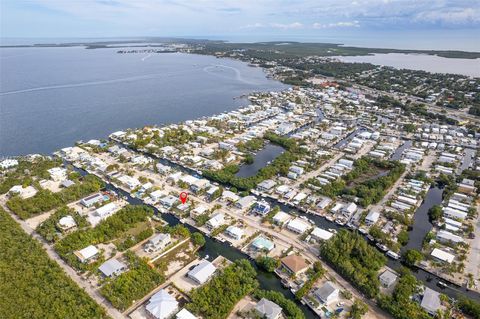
(46, 200)
(216, 299)
(469, 307)
(313, 275)
(32, 285)
(49, 229)
(355, 259)
(133, 284)
(290, 308)
(399, 304)
(109, 229)
(266, 263)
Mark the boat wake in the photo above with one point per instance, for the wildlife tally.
(215, 67)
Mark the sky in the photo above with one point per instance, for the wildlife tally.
(435, 24)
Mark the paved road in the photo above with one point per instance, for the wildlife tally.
(111, 311)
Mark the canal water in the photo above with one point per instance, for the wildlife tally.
(421, 223)
(262, 158)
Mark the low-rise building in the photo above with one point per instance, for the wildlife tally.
(162, 305)
(294, 264)
(234, 232)
(268, 309)
(158, 242)
(327, 293)
(388, 278)
(202, 272)
(86, 254)
(112, 268)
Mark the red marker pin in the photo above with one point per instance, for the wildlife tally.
(183, 197)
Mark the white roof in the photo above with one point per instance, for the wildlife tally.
(162, 305)
(105, 210)
(202, 272)
(67, 222)
(281, 217)
(298, 225)
(235, 231)
(443, 255)
(87, 252)
(321, 234)
(111, 266)
(185, 314)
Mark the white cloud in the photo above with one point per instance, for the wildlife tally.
(253, 26)
(294, 25)
(343, 24)
(454, 16)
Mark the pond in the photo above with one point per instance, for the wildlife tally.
(262, 159)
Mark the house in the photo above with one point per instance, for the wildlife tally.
(185, 314)
(129, 181)
(261, 208)
(86, 254)
(372, 218)
(162, 305)
(106, 211)
(324, 203)
(212, 191)
(387, 278)
(446, 236)
(202, 272)
(294, 264)
(266, 185)
(92, 200)
(168, 201)
(24, 193)
(112, 268)
(245, 202)
(261, 243)
(66, 223)
(442, 255)
(268, 309)
(327, 293)
(234, 232)
(57, 174)
(467, 186)
(158, 242)
(230, 197)
(216, 221)
(349, 210)
(431, 301)
(199, 185)
(321, 234)
(281, 218)
(8, 163)
(67, 183)
(298, 226)
(156, 195)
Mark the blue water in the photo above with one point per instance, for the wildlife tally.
(52, 97)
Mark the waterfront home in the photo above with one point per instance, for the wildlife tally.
(298, 225)
(261, 208)
(202, 272)
(211, 191)
(216, 221)
(156, 195)
(66, 223)
(266, 185)
(168, 201)
(442, 256)
(262, 244)
(230, 197)
(245, 202)
(371, 218)
(112, 268)
(281, 218)
(327, 293)
(321, 234)
(268, 309)
(234, 232)
(322, 204)
(163, 169)
(106, 211)
(199, 185)
(158, 242)
(129, 181)
(388, 278)
(87, 254)
(161, 305)
(91, 200)
(349, 209)
(67, 183)
(294, 264)
(431, 301)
